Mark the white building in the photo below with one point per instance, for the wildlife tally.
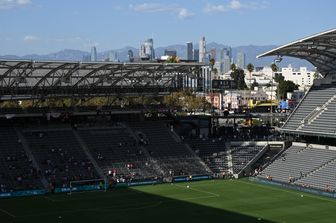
(302, 76)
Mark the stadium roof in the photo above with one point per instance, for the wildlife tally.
(318, 49)
(41, 79)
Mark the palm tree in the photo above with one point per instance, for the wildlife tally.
(274, 67)
(233, 67)
(212, 62)
(215, 72)
(250, 68)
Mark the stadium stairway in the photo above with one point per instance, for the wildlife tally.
(59, 155)
(88, 154)
(301, 164)
(320, 177)
(198, 158)
(167, 148)
(152, 160)
(31, 156)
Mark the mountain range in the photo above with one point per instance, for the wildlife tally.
(251, 51)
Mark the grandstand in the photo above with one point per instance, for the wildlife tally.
(316, 108)
(17, 170)
(45, 145)
(59, 156)
(309, 165)
(304, 165)
(315, 112)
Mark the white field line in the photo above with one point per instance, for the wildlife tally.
(118, 208)
(7, 213)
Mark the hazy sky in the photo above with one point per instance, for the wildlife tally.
(44, 26)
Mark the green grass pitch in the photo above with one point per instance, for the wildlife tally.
(205, 201)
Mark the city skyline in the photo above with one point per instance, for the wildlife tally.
(36, 26)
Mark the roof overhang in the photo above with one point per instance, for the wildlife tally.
(318, 49)
(24, 79)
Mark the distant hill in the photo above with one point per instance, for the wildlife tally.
(251, 51)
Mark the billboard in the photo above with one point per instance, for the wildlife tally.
(224, 84)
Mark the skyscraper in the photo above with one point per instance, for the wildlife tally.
(226, 64)
(202, 50)
(227, 51)
(213, 53)
(130, 55)
(171, 53)
(190, 51)
(241, 60)
(93, 54)
(147, 50)
(196, 54)
(113, 56)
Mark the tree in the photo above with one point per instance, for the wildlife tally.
(173, 59)
(238, 77)
(187, 100)
(233, 67)
(215, 71)
(250, 67)
(317, 75)
(254, 84)
(274, 67)
(278, 78)
(212, 62)
(284, 86)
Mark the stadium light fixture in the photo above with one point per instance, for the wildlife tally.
(278, 59)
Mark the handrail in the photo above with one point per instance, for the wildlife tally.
(297, 107)
(316, 112)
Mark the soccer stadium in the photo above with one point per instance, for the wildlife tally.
(66, 159)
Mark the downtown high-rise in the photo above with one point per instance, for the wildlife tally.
(190, 51)
(202, 50)
(240, 60)
(93, 54)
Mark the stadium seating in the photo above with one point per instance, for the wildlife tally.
(215, 154)
(322, 178)
(158, 140)
(212, 151)
(182, 166)
(16, 169)
(206, 147)
(242, 155)
(116, 150)
(307, 116)
(171, 155)
(303, 166)
(60, 156)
